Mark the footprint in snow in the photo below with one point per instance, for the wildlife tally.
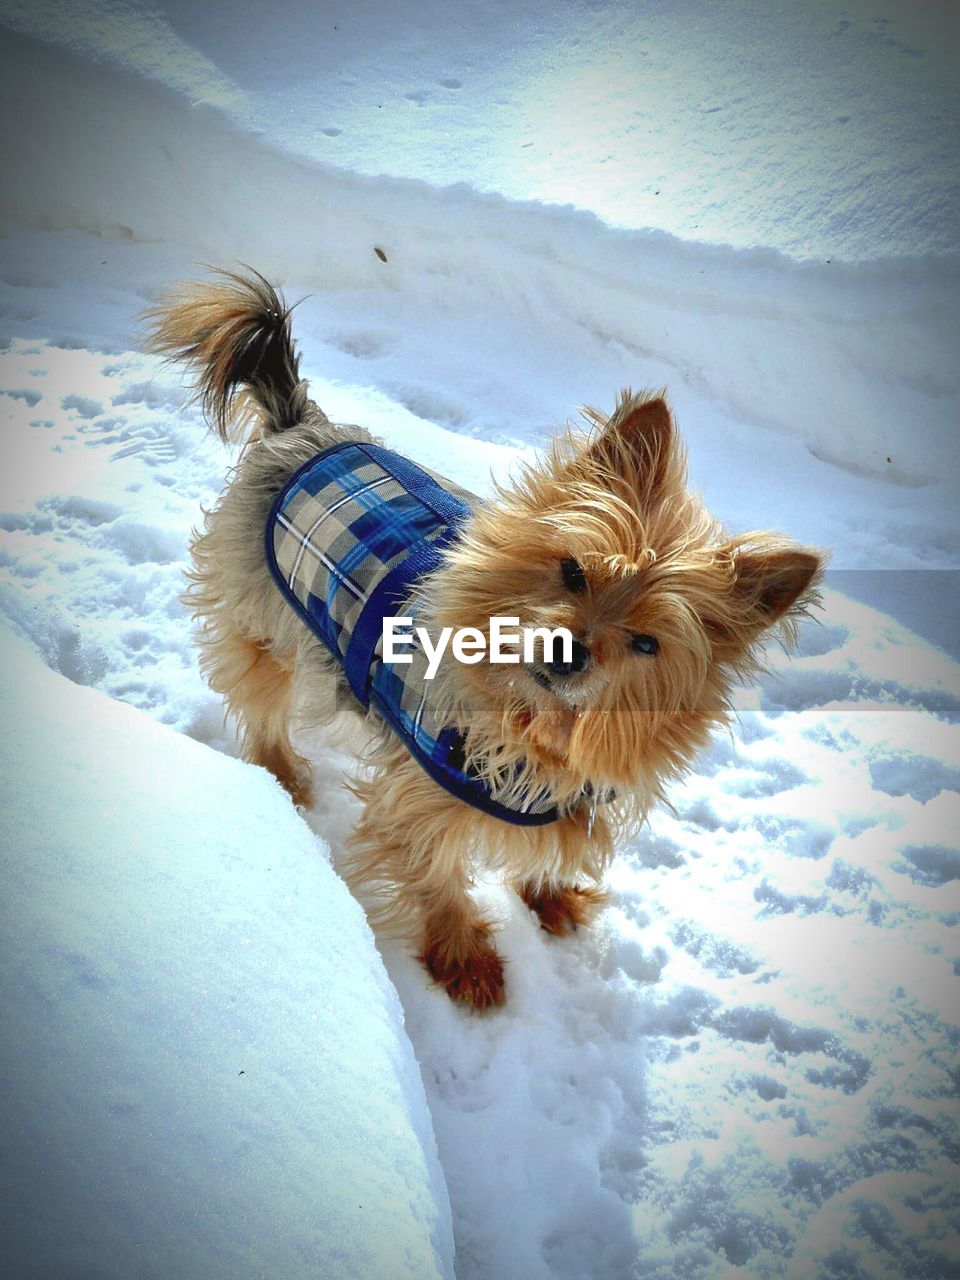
(51, 513)
(82, 405)
(719, 955)
(140, 543)
(856, 881)
(86, 510)
(626, 956)
(766, 1087)
(774, 778)
(652, 851)
(28, 280)
(153, 393)
(814, 638)
(933, 865)
(905, 774)
(364, 343)
(800, 837)
(22, 393)
(432, 406)
(703, 816)
(848, 1071)
(777, 903)
(155, 449)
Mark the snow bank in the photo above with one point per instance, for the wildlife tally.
(821, 131)
(855, 361)
(204, 1063)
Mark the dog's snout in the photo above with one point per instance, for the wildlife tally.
(579, 661)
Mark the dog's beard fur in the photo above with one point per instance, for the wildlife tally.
(602, 537)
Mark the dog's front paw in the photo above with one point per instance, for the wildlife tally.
(561, 910)
(476, 979)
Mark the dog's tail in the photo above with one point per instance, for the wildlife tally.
(233, 332)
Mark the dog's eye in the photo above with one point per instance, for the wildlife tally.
(645, 644)
(574, 579)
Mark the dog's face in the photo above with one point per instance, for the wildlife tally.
(605, 541)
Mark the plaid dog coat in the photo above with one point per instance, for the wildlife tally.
(348, 537)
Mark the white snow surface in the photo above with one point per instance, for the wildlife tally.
(204, 1061)
(749, 1068)
(823, 129)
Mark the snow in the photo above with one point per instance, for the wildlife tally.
(205, 1062)
(822, 130)
(749, 1067)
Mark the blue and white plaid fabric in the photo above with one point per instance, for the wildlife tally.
(347, 539)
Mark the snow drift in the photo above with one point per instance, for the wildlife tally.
(857, 360)
(206, 1061)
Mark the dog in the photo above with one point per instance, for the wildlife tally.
(601, 537)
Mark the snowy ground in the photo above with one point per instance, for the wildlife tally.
(749, 1068)
(205, 1066)
(824, 129)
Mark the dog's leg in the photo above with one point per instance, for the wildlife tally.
(563, 908)
(559, 875)
(458, 953)
(409, 860)
(258, 688)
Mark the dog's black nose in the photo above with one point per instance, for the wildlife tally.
(579, 660)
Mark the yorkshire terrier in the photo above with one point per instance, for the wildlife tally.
(536, 765)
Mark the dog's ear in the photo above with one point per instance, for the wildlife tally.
(638, 442)
(767, 579)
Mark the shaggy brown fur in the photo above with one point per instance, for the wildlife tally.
(563, 910)
(602, 537)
